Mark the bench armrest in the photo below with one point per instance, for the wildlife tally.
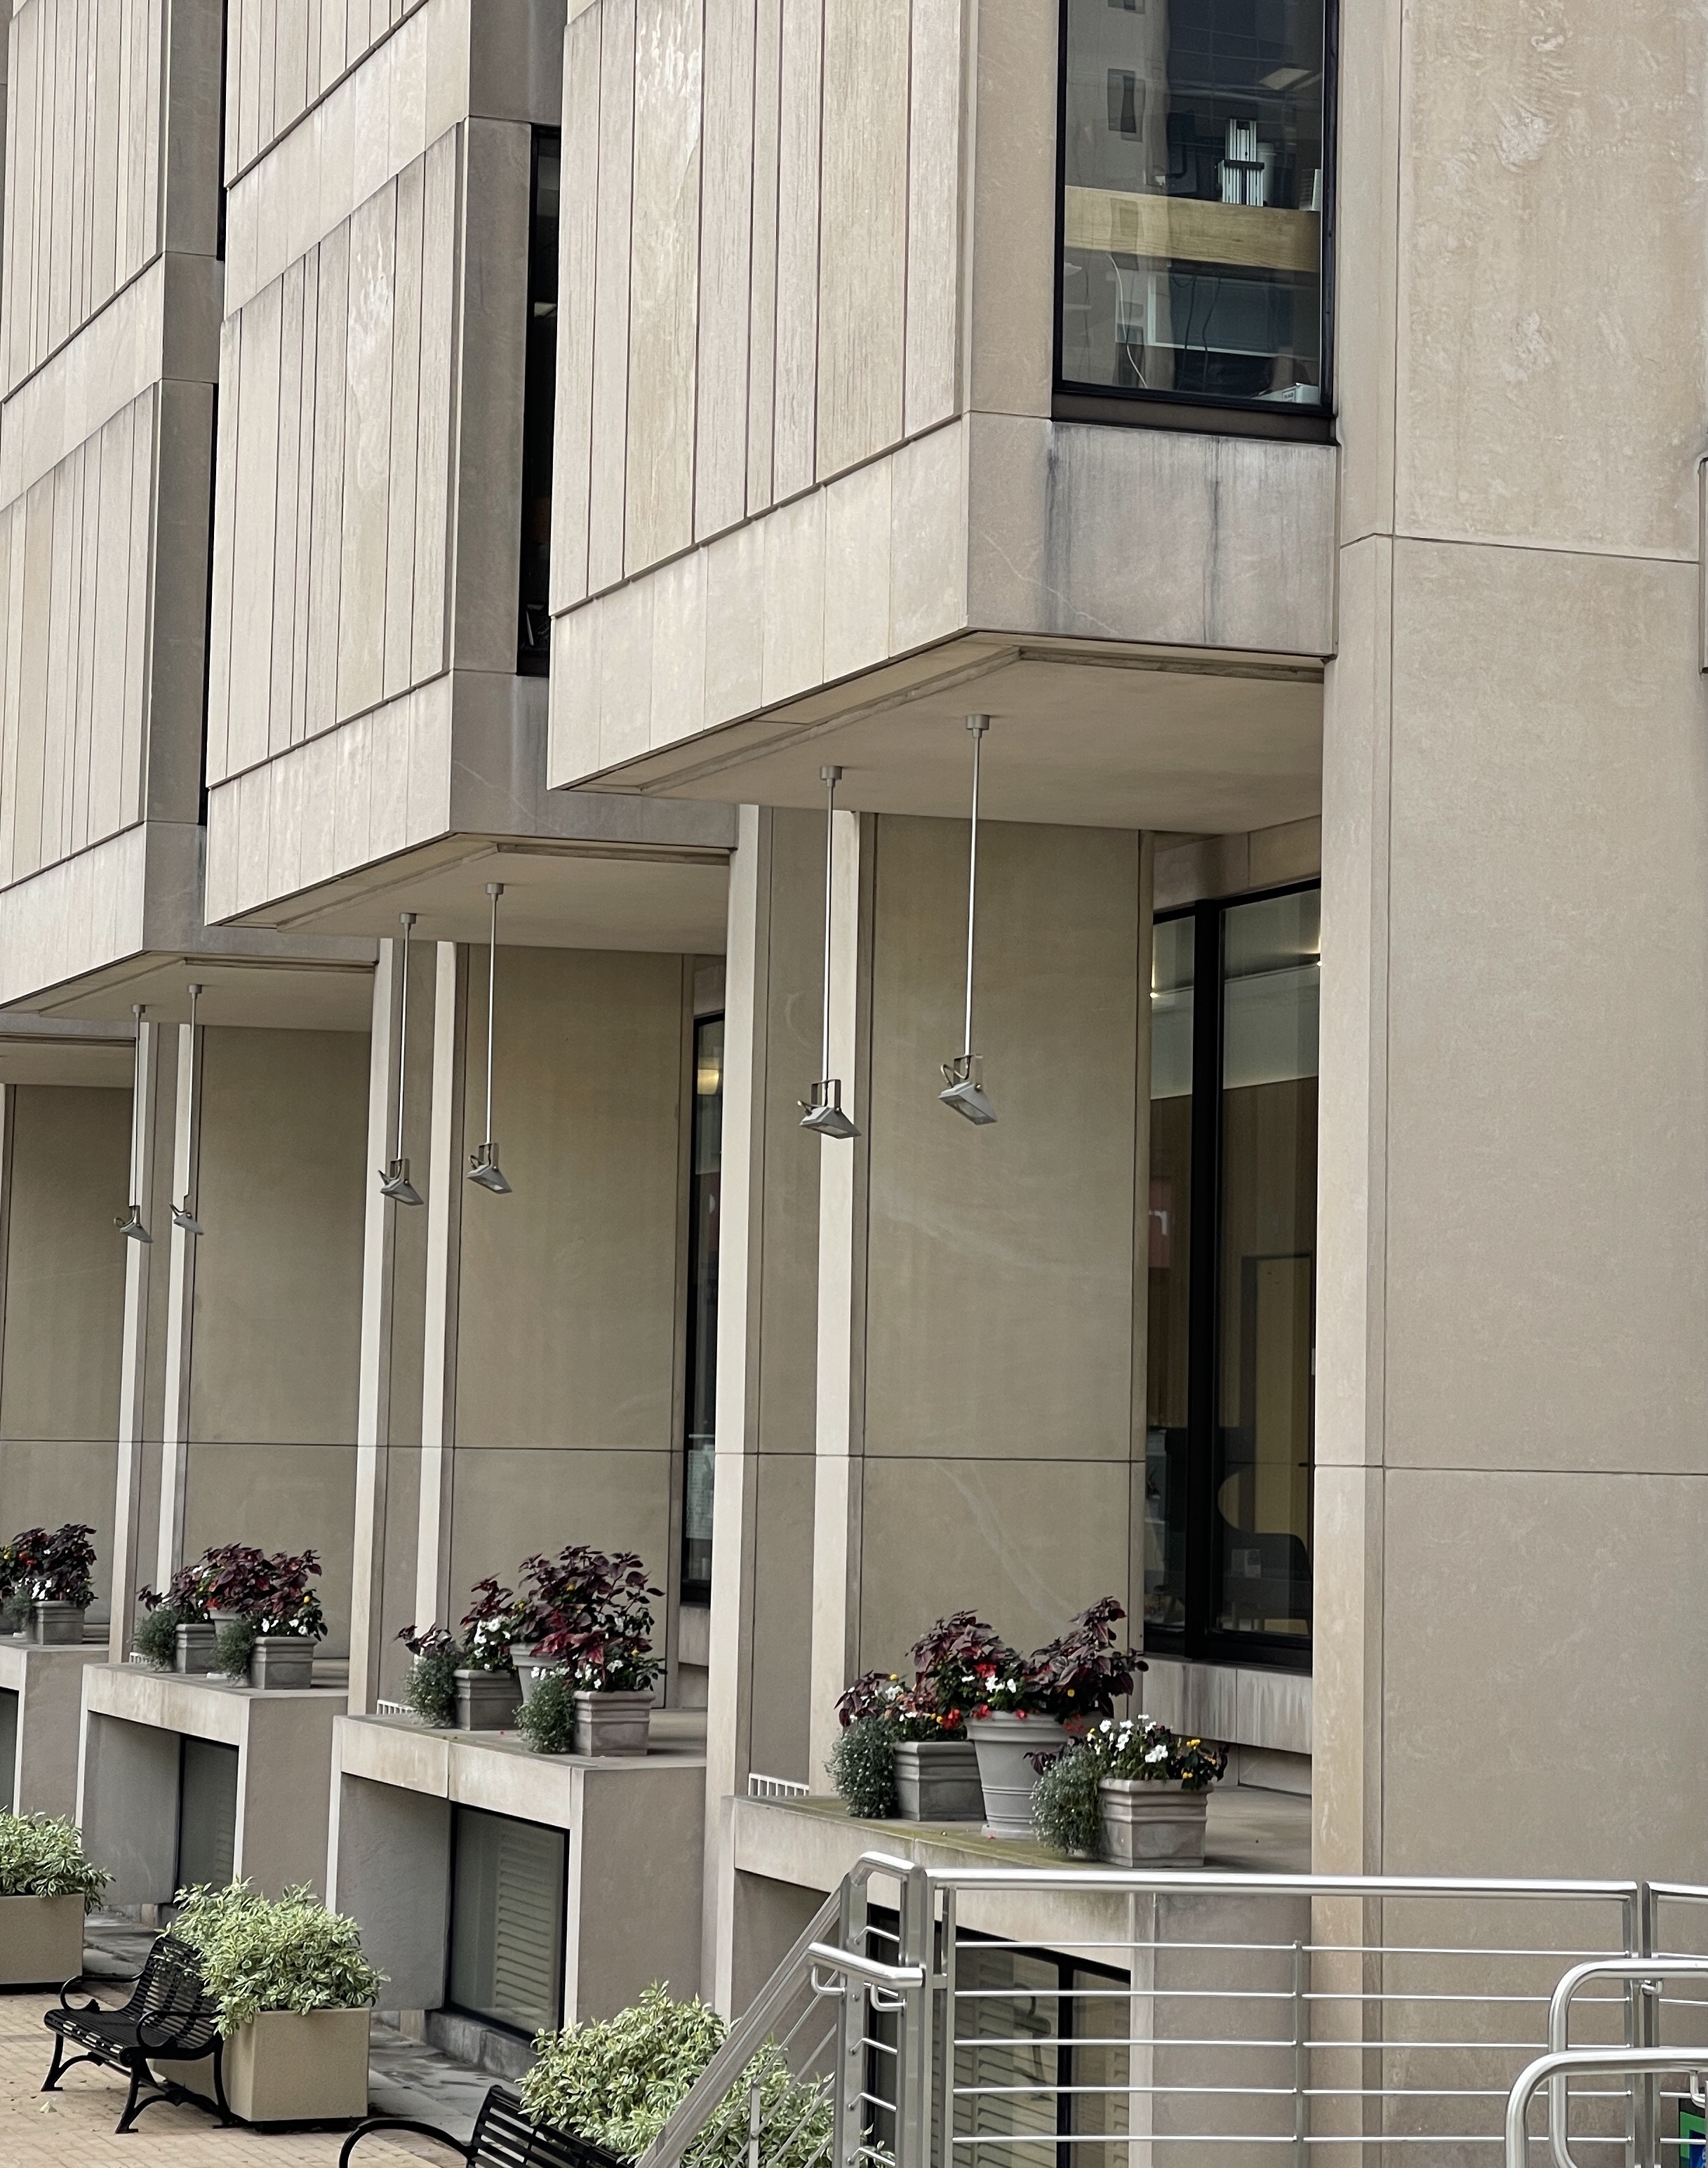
(399, 2122)
(84, 2007)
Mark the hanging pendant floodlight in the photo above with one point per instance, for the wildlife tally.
(130, 1222)
(183, 1212)
(964, 1077)
(823, 1112)
(394, 1176)
(483, 1164)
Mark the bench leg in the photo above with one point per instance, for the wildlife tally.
(58, 2067)
(227, 2117)
(132, 2107)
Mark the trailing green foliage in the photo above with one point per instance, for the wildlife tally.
(547, 1719)
(234, 1648)
(156, 1637)
(290, 1954)
(42, 1857)
(430, 1688)
(1065, 1810)
(863, 1768)
(616, 2082)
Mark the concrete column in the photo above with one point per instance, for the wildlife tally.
(445, 1200)
(180, 1310)
(133, 1386)
(840, 1434)
(374, 1394)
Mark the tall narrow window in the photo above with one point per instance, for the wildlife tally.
(207, 1812)
(1231, 1367)
(538, 404)
(506, 1920)
(705, 1183)
(1193, 175)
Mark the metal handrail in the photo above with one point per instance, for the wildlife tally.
(1562, 2063)
(1637, 1970)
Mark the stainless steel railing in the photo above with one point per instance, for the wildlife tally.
(1080, 2018)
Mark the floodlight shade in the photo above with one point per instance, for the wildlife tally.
(394, 1183)
(966, 1099)
(484, 1168)
(129, 1222)
(823, 1112)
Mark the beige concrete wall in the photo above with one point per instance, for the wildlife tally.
(1514, 1177)
(278, 1298)
(67, 1155)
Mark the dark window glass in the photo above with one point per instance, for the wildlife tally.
(1192, 179)
(8, 1748)
(1166, 1436)
(702, 1314)
(506, 1926)
(207, 1812)
(534, 635)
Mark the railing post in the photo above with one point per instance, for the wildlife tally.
(1648, 2036)
(851, 2032)
(913, 2032)
(1301, 2103)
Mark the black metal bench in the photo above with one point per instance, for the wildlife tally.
(170, 2015)
(503, 2138)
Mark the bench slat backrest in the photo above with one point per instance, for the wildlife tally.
(504, 2138)
(170, 1995)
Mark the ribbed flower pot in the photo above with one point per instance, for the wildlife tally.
(282, 1661)
(284, 2067)
(56, 1625)
(41, 1940)
(195, 1646)
(936, 1780)
(486, 1701)
(1147, 1823)
(1003, 1741)
(612, 1723)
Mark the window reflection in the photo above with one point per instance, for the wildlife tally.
(1167, 1441)
(706, 1185)
(1192, 179)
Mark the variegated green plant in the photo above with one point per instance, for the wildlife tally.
(289, 1953)
(42, 1857)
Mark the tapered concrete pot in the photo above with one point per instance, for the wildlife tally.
(56, 1625)
(194, 1652)
(41, 1940)
(612, 1722)
(1003, 1741)
(282, 1661)
(284, 2068)
(531, 1668)
(486, 1701)
(936, 1780)
(1151, 1824)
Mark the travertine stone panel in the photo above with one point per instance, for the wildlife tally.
(285, 57)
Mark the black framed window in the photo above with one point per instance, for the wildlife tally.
(1193, 214)
(539, 405)
(207, 1812)
(9, 1747)
(1232, 1260)
(705, 1187)
(506, 1920)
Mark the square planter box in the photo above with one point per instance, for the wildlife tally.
(56, 1625)
(283, 1661)
(284, 2068)
(936, 1781)
(486, 1701)
(41, 1940)
(612, 1723)
(1151, 1824)
(195, 1646)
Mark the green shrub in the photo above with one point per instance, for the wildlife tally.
(547, 1719)
(234, 1648)
(290, 1954)
(156, 1637)
(863, 1768)
(616, 2082)
(1065, 1810)
(41, 1857)
(430, 1688)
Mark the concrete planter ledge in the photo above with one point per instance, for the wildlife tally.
(48, 1682)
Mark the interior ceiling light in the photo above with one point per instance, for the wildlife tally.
(823, 1112)
(394, 1176)
(183, 1212)
(964, 1077)
(483, 1164)
(130, 1222)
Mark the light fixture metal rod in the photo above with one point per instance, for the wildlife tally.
(407, 918)
(978, 725)
(138, 1011)
(494, 891)
(830, 777)
(193, 1111)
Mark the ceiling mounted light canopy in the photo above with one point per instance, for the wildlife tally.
(184, 1212)
(964, 1077)
(394, 1176)
(823, 1112)
(130, 1222)
(483, 1164)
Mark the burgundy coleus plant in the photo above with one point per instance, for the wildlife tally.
(592, 1611)
(271, 1592)
(43, 1566)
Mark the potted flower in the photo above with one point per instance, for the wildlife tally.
(269, 1618)
(903, 1752)
(470, 1683)
(1026, 1704)
(592, 1612)
(46, 1885)
(430, 1688)
(1153, 1791)
(294, 1992)
(47, 1578)
(175, 1633)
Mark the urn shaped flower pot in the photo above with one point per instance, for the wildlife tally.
(486, 1701)
(1150, 1823)
(284, 1662)
(612, 1722)
(195, 1650)
(56, 1625)
(936, 1781)
(1005, 1739)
